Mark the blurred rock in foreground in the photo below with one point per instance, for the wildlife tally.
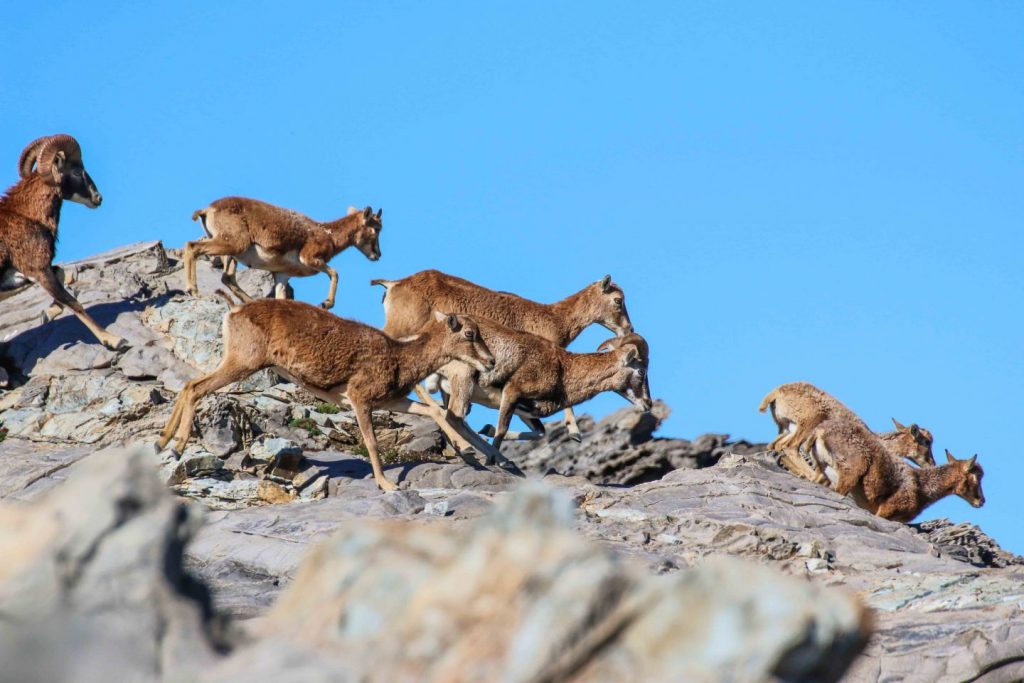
(91, 580)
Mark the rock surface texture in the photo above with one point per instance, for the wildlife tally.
(267, 549)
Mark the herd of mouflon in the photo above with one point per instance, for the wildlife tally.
(470, 343)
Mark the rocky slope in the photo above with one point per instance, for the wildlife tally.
(625, 556)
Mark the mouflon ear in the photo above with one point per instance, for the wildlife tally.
(57, 168)
(897, 425)
(631, 354)
(974, 459)
(379, 212)
(915, 431)
(449, 319)
(949, 456)
(606, 284)
(607, 345)
(367, 212)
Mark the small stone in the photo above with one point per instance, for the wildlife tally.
(270, 492)
(307, 473)
(316, 490)
(437, 508)
(816, 565)
(287, 464)
(267, 450)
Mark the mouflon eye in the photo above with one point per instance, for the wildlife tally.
(471, 336)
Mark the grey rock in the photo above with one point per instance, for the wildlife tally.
(149, 361)
(268, 450)
(220, 494)
(967, 543)
(77, 356)
(224, 424)
(620, 449)
(95, 592)
(192, 465)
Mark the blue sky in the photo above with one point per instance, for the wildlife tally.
(827, 192)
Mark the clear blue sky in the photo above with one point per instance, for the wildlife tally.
(828, 192)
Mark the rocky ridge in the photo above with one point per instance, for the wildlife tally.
(624, 559)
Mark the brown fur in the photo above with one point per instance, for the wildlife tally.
(332, 358)
(29, 217)
(885, 484)
(409, 301)
(538, 377)
(284, 242)
(799, 407)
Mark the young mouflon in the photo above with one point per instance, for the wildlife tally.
(534, 378)
(886, 484)
(284, 242)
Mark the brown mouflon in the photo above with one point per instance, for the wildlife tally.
(51, 171)
(533, 377)
(886, 484)
(284, 242)
(332, 358)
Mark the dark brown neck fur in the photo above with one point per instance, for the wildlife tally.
(36, 200)
(571, 316)
(935, 483)
(585, 375)
(419, 357)
(343, 231)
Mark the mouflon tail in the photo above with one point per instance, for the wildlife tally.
(768, 400)
(386, 284)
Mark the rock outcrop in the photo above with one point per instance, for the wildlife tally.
(621, 449)
(639, 557)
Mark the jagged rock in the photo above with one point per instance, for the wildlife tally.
(621, 449)
(191, 465)
(967, 543)
(413, 435)
(224, 425)
(91, 586)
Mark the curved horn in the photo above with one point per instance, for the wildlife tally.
(29, 155)
(54, 145)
